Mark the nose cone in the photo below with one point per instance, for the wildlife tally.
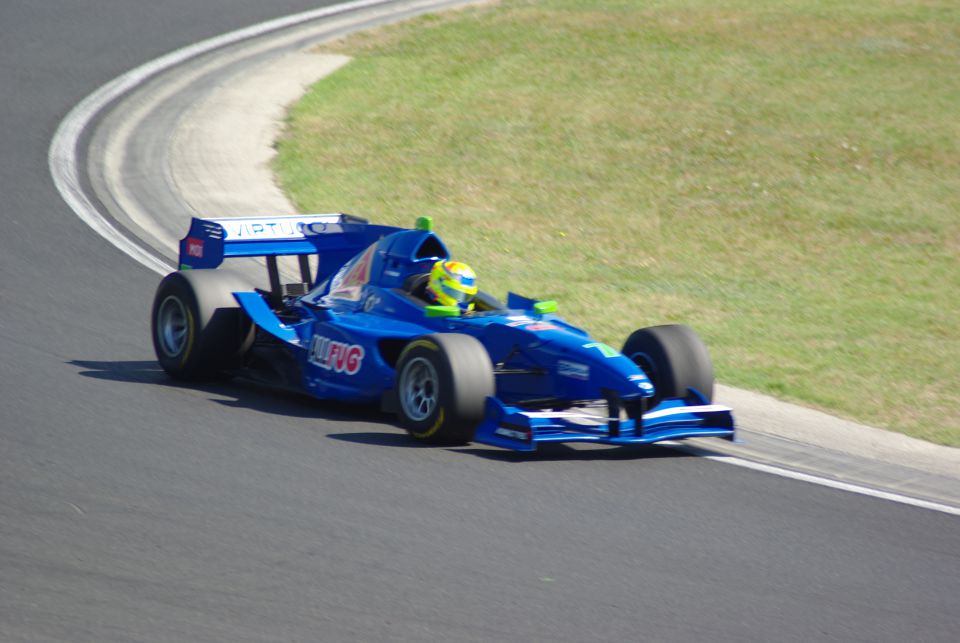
(595, 365)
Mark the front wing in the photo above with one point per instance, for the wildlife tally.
(521, 430)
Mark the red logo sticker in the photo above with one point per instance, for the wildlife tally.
(541, 326)
(195, 247)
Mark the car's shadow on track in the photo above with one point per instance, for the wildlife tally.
(143, 372)
(236, 392)
(570, 452)
(241, 393)
(544, 452)
(398, 438)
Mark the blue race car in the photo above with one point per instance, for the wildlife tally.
(358, 328)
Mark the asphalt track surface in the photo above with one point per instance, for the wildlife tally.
(132, 508)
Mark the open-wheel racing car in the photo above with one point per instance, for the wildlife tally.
(359, 329)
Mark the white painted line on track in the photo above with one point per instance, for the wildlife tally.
(834, 484)
(64, 164)
(63, 156)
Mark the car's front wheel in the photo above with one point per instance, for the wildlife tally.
(675, 359)
(442, 384)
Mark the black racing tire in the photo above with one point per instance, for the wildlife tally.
(675, 359)
(442, 384)
(198, 328)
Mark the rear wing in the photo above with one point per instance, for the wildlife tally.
(210, 241)
(335, 237)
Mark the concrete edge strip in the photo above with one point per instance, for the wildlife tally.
(63, 155)
(64, 164)
(834, 484)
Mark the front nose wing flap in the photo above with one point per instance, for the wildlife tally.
(514, 428)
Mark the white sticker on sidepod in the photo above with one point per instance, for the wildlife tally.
(573, 370)
(642, 382)
(515, 321)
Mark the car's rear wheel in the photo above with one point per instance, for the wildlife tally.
(442, 384)
(676, 361)
(197, 326)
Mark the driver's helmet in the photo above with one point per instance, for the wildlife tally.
(452, 283)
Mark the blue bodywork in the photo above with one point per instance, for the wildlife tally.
(554, 383)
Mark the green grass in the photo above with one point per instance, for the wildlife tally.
(782, 175)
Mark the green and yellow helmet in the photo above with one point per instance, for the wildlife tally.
(452, 283)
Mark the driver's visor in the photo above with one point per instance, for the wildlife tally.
(458, 295)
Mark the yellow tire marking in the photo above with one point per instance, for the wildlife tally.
(433, 429)
(426, 343)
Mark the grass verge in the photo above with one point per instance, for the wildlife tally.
(782, 175)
